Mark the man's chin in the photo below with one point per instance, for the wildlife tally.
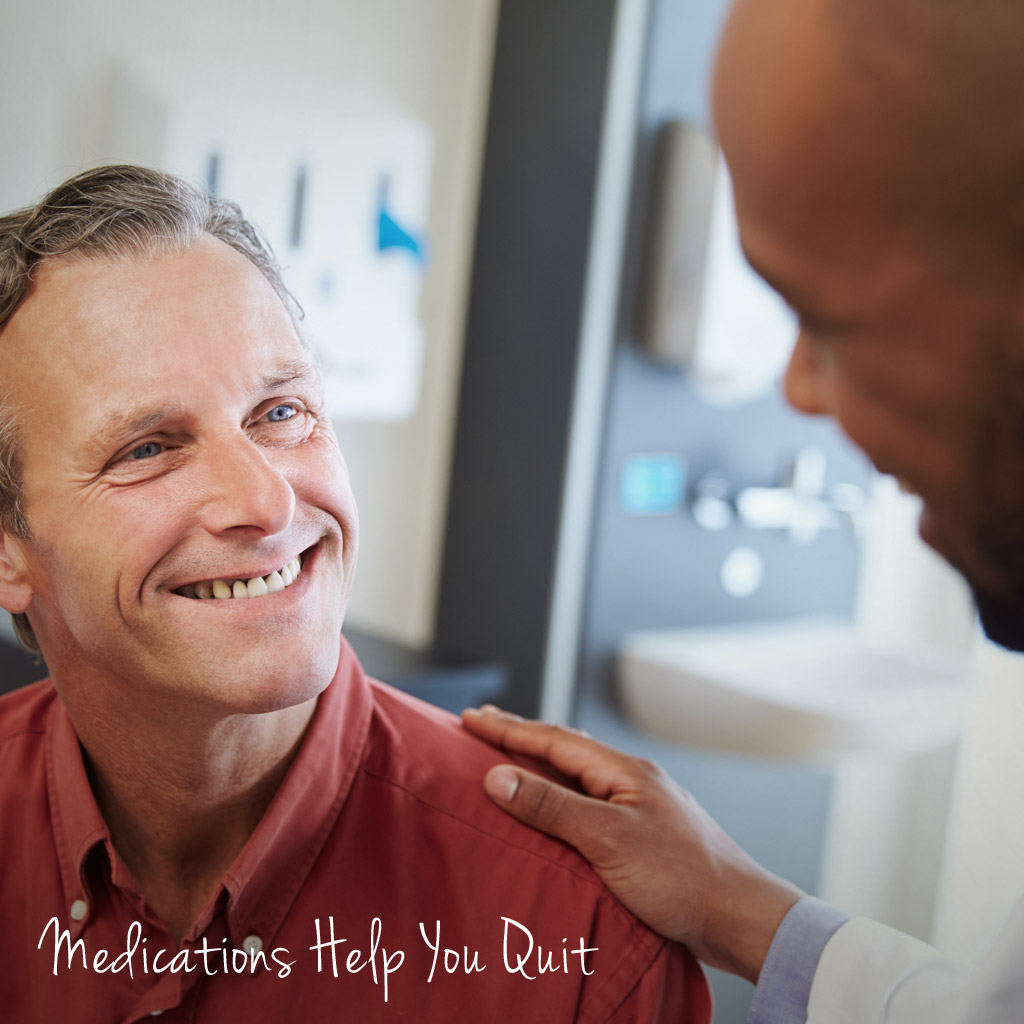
(271, 676)
(1002, 619)
(304, 678)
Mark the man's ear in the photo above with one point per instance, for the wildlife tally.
(15, 589)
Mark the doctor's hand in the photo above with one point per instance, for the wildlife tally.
(653, 845)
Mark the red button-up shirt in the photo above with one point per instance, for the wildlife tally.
(381, 884)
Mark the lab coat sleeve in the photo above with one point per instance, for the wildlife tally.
(869, 973)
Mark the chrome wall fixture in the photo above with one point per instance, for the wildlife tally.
(800, 505)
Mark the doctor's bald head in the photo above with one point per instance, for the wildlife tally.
(943, 82)
(928, 94)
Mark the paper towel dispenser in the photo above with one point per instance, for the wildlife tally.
(705, 310)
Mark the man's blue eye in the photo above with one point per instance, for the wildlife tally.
(146, 451)
(280, 413)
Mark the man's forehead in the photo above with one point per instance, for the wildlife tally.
(207, 264)
(75, 300)
(117, 343)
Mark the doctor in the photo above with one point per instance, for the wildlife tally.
(877, 152)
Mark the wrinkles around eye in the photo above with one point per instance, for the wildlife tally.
(283, 425)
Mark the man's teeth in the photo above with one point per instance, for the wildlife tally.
(258, 586)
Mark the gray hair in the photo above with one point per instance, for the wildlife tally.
(110, 212)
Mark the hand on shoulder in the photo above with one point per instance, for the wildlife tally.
(653, 845)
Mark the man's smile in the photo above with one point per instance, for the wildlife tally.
(256, 586)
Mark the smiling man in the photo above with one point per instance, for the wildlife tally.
(208, 810)
(877, 155)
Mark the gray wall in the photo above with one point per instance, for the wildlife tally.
(537, 190)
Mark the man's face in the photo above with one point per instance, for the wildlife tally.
(913, 352)
(173, 434)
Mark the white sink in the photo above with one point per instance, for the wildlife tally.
(807, 690)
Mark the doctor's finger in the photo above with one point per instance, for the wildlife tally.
(561, 812)
(602, 771)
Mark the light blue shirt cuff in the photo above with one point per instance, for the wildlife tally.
(784, 988)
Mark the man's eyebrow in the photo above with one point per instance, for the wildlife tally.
(809, 312)
(294, 371)
(127, 423)
(769, 278)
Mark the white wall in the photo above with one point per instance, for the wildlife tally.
(59, 64)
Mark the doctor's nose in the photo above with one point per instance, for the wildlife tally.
(245, 490)
(804, 383)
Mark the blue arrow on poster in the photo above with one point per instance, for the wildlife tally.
(391, 234)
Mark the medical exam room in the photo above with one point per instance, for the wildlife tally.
(556, 383)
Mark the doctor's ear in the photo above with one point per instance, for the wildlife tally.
(15, 589)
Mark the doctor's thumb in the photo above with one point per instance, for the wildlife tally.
(544, 804)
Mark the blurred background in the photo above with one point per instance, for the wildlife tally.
(556, 386)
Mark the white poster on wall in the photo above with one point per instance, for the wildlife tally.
(342, 196)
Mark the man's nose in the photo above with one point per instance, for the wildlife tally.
(245, 491)
(804, 385)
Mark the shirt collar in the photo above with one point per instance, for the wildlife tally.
(266, 876)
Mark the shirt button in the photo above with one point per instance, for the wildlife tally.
(79, 910)
(252, 943)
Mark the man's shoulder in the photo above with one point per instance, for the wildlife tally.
(424, 751)
(25, 722)
(455, 858)
(25, 712)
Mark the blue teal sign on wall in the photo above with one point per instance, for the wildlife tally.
(652, 484)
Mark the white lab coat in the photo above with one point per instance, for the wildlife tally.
(872, 974)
